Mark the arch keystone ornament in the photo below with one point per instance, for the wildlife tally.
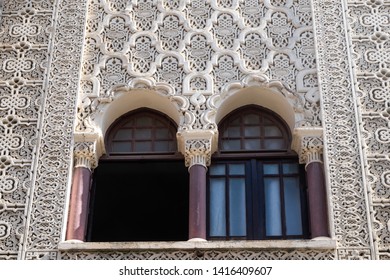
(308, 143)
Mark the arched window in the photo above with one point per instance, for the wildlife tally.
(140, 187)
(142, 132)
(256, 188)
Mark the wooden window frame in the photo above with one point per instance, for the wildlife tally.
(139, 155)
(153, 157)
(255, 197)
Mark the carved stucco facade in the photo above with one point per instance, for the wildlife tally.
(69, 68)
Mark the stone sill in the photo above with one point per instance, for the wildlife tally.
(316, 244)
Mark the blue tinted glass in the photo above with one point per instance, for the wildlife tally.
(232, 132)
(217, 169)
(292, 203)
(251, 119)
(144, 121)
(123, 134)
(143, 133)
(237, 207)
(290, 168)
(162, 146)
(274, 144)
(231, 145)
(163, 133)
(143, 146)
(272, 131)
(271, 169)
(252, 144)
(237, 169)
(273, 213)
(252, 131)
(217, 207)
(121, 147)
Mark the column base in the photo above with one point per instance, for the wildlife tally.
(321, 238)
(196, 240)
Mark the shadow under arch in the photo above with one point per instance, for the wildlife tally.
(132, 99)
(258, 90)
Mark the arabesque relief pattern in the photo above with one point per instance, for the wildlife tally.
(204, 255)
(25, 37)
(197, 47)
(369, 32)
(352, 38)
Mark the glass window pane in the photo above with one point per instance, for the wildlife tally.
(272, 131)
(270, 168)
(292, 203)
(129, 123)
(157, 123)
(123, 134)
(121, 147)
(274, 144)
(143, 133)
(267, 121)
(252, 144)
(231, 145)
(143, 146)
(290, 168)
(273, 218)
(217, 169)
(217, 207)
(232, 132)
(237, 169)
(162, 146)
(251, 119)
(252, 131)
(236, 121)
(237, 207)
(162, 133)
(144, 121)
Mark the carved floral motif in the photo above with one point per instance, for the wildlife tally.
(191, 52)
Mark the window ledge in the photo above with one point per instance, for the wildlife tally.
(317, 244)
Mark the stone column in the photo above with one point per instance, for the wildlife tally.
(85, 159)
(197, 210)
(309, 145)
(197, 146)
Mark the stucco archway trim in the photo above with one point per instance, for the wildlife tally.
(259, 90)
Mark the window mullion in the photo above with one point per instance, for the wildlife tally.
(227, 199)
(282, 206)
(252, 201)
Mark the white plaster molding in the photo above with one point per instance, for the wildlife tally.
(308, 144)
(322, 244)
(197, 146)
(88, 148)
(260, 90)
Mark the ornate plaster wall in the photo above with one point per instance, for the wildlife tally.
(368, 35)
(41, 48)
(64, 61)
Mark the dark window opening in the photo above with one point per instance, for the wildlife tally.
(140, 188)
(140, 201)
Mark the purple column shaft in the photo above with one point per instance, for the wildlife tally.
(79, 200)
(317, 200)
(197, 211)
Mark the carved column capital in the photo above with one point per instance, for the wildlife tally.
(308, 144)
(87, 150)
(197, 146)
